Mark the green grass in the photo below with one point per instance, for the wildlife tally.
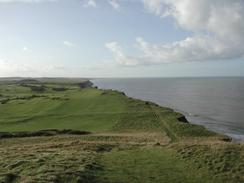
(224, 160)
(87, 109)
(59, 159)
(83, 110)
(131, 140)
(149, 165)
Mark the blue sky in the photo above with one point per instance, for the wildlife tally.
(121, 38)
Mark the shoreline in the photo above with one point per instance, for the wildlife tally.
(227, 138)
(89, 83)
(221, 113)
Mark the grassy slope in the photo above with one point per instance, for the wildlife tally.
(149, 165)
(132, 140)
(85, 110)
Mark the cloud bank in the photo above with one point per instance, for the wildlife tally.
(37, 69)
(217, 26)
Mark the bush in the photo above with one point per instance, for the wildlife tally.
(60, 89)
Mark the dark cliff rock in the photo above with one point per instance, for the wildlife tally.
(85, 84)
(183, 119)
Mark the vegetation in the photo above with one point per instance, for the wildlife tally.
(71, 132)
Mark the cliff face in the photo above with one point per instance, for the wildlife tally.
(183, 119)
(86, 84)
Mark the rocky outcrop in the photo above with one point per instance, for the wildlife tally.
(85, 84)
(183, 119)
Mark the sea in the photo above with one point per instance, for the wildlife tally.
(214, 102)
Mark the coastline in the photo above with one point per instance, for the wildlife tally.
(218, 113)
(120, 137)
(182, 118)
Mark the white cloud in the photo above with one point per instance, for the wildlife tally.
(12, 69)
(154, 6)
(69, 44)
(37, 69)
(114, 4)
(119, 55)
(93, 4)
(221, 17)
(90, 3)
(217, 25)
(197, 48)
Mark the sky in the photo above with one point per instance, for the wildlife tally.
(121, 38)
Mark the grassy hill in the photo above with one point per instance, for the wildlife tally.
(124, 139)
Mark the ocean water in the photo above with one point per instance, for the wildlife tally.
(216, 103)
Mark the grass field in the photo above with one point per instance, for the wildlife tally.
(129, 141)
